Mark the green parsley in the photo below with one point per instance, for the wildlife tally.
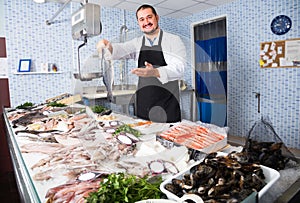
(123, 188)
(127, 129)
(56, 104)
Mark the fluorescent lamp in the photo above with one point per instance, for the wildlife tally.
(39, 1)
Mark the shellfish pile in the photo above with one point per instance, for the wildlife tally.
(219, 179)
(264, 146)
(265, 153)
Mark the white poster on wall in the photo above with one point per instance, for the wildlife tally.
(3, 68)
(292, 51)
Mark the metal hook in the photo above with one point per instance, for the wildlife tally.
(257, 95)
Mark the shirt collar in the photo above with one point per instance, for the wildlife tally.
(150, 42)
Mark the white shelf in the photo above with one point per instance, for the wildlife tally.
(33, 73)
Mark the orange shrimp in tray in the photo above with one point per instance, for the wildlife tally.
(183, 138)
(201, 130)
(216, 135)
(194, 136)
(208, 137)
(169, 135)
(195, 144)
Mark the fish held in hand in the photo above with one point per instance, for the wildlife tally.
(108, 71)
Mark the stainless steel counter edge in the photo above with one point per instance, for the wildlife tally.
(25, 185)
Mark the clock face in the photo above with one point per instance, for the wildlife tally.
(281, 24)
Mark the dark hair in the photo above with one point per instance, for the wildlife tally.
(144, 6)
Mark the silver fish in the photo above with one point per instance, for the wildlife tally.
(108, 72)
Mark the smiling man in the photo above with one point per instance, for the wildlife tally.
(160, 64)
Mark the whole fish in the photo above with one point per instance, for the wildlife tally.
(108, 72)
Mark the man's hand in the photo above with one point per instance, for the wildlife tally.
(104, 43)
(148, 71)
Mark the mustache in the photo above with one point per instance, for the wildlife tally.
(152, 31)
(149, 24)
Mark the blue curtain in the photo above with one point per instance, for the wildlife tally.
(211, 50)
(211, 72)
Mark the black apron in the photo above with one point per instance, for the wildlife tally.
(156, 101)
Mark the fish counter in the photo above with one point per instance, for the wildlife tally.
(61, 154)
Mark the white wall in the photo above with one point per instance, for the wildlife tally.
(2, 25)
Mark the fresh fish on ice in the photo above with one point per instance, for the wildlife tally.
(108, 72)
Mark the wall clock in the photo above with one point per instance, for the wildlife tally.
(281, 24)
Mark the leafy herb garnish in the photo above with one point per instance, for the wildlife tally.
(26, 105)
(123, 188)
(127, 129)
(98, 109)
(56, 104)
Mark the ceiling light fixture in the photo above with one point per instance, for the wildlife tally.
(39, 1)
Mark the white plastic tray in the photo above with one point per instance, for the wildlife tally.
(156, 201)
(271, 176)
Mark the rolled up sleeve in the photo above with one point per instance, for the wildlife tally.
(175, 57)
(126, 50)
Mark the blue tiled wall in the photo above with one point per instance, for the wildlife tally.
(28, 36)
(248, 24)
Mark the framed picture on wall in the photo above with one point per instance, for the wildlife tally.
(24, 65)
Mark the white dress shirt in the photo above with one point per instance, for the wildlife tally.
(173, 49)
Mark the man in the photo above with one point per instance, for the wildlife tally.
(161, 61)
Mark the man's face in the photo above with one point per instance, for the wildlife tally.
(148, 22)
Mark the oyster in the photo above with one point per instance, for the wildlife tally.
(219, 179)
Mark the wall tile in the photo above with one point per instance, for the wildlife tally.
(248, 24)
